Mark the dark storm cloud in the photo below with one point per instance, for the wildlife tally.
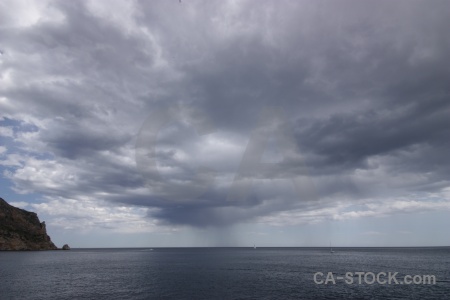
(363, 85)
(348, 140)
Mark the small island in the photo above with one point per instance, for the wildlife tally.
(21, 230)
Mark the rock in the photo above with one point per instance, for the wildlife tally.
(66, 247)
(22, 230)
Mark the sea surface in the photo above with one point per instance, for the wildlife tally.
(220, 273)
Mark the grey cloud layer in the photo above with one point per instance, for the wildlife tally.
(364, 86)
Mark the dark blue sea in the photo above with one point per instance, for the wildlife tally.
(221, 273)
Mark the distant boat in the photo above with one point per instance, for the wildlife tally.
(331, 249)
(254, 246)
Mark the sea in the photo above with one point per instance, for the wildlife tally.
(226, 273)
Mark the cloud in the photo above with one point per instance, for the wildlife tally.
(373, 233)
(362, 91)
(374, 207)
(85, 214)
(6, 132)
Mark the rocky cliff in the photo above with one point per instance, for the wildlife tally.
(22, 230)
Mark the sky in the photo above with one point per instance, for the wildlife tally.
(228, 123)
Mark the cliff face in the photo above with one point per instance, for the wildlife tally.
(22, 230)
